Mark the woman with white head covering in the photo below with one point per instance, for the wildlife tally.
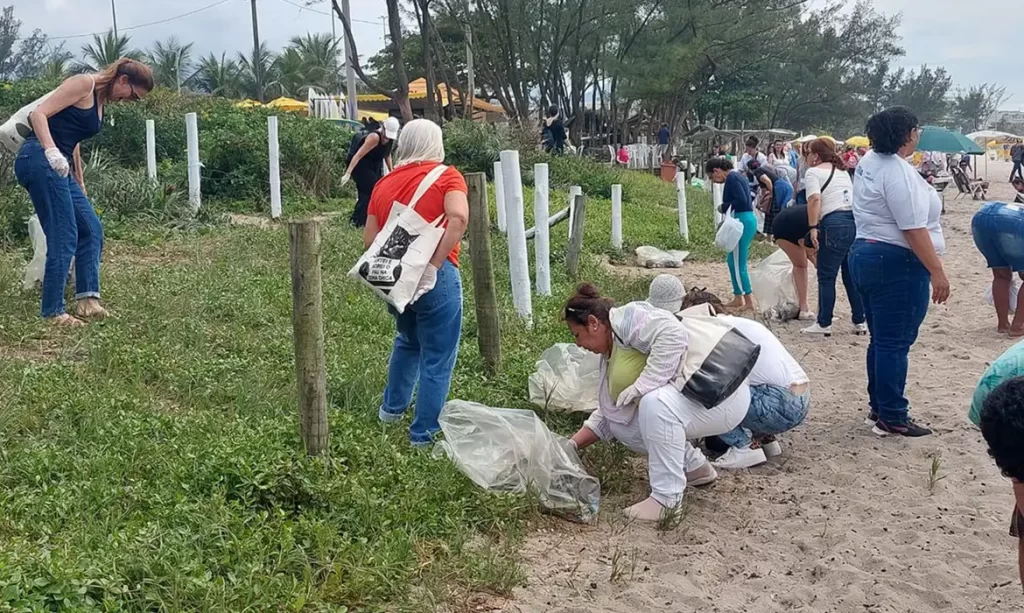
(427, 342)
(367, 155)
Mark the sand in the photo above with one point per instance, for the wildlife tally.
(843, 521)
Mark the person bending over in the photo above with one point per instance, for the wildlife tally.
(650, 415)
(998, 231)
(1002, 425)
(736, 199)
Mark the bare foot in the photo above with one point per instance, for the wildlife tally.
(1003, 328)
(736, 303)
(1016, 332)
(66, 320)
(90, 309)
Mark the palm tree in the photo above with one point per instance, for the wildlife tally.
(219, 77)
(320, 55)
(290, 71)
(105, 50)
(247, 66)
(170, 62)
(58, 64)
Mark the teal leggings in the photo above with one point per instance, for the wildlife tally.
(738, 258)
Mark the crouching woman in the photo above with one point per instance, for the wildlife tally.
(649, 415)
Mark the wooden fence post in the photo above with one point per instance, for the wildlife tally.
(275, 167)
(617, 217)
(195, 197)
(684, 225)
(499, 196)
(518, 256)
(308, 331)
(572, 256)
(151, 150)
(488, 327)
(542, 248)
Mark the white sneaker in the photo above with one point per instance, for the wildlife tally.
(704, 475)
(740, 457)
(772, 449)
(806, 316)
(860, 329)
(816, 329)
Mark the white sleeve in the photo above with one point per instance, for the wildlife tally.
(907, 201)
(812, 183)
(597, 424)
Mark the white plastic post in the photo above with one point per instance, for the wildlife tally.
(275, 168)
(195, 197)
(717, 195)
(684, 226)
(617, 216)
(151, 150)
(519, 267)
(499, 197)
(574, 190)
(542, 245)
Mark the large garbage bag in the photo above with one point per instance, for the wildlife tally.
(511, 450)
(772, 283)
(1014, 291)
(36, 268)
(567, 379)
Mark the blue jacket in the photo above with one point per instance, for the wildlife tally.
(736, 195)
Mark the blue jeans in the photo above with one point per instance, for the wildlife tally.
(998, 232)
(738, 258)
(894, 286)
(773, 410)
(836, 233)
(71, 226)
(425, 350)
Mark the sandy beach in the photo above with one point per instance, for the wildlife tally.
(843, 521)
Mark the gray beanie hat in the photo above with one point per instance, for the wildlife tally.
(666, 293)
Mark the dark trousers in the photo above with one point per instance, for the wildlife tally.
(365, 182)
(1016, 172)
(894, 285)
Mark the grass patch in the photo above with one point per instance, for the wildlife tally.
(160, 467)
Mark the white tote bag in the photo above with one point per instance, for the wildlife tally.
(393, 265)
(729, 234)
(718, 358)
(15, 130)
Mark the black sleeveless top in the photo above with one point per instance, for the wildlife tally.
(73, 125)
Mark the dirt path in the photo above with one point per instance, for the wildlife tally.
(843, 521)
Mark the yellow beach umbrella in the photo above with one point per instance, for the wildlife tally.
(289, 104)
(858, 141)
(247, 104)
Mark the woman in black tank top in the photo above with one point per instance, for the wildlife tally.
(49, 166)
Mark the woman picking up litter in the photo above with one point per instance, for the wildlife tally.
(49, 166)
(650, 415)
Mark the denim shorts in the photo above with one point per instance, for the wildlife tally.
(998, 231)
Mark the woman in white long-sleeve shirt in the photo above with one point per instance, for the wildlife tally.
(650, 416)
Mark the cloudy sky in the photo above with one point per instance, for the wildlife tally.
(974, 41)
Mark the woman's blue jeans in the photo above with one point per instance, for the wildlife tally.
(773, 410)
(71, 226)
(425, 350)
(836, 233)
(894, 285)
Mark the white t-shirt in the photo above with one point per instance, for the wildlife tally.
(889, 196)
(747, 158)
(774, 366)
(838, 195)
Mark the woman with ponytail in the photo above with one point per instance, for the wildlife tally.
(49, 166)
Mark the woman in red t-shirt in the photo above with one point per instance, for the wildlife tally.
(427, 343)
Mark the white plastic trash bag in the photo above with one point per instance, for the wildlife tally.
(729, 234)
(772, 283)
(511, 450)
(652, 257)
(37, 267)
(567, 379)
(17, 128)
(1014, 291)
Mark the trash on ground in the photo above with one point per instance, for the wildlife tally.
(652, 257)
(511, 450)
(772, 283)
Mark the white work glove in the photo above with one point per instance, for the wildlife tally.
(345, 179)
(628, 397)
(57, 161)
(427, 282)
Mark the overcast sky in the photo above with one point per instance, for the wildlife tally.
(976, 41)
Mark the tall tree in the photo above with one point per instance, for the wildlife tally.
(247, 66)
(28, 59)
(923, 91)
(107, 49)
(171, 62)
(217, 76)
(973, 108)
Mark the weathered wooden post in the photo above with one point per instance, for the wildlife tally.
(515, 218)
(308, 332)
(275, 168)
(195, 197)
(488, 326)
(572, 256)
(617, 217)
(574, 190)
(717, 196)
(542, 248)
(499, 196)
(151, 150)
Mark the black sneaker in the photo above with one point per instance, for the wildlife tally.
(908, 429)
(871, 418)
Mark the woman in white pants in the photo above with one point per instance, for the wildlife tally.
(650, 416)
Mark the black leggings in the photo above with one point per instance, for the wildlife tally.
(364, 186)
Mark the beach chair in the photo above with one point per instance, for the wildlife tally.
(975, 188)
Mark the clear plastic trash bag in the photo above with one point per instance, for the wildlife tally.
(652, 257)
(772, 283)
(567, 379)
(1014, 290)
(35, 269)
(511, 450)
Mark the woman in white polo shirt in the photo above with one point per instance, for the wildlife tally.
(893, 261)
